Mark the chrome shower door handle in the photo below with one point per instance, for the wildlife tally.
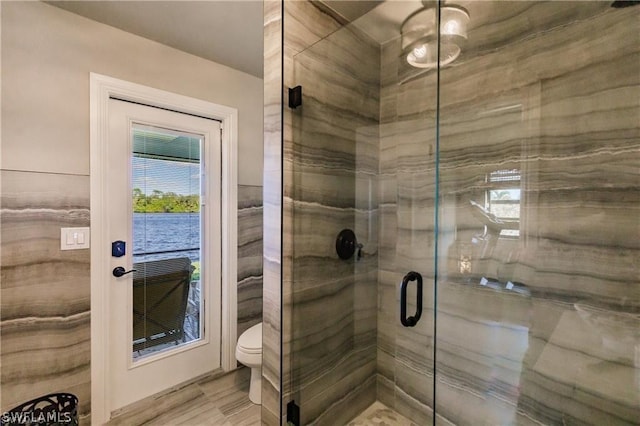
(413, 320)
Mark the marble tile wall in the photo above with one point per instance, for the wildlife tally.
(273, 326)
(551, 89)
(45, 292)
(249, 256)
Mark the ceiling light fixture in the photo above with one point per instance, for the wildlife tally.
(420, 40)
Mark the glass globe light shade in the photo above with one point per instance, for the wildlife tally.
(420, 41)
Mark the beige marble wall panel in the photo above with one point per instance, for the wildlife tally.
(271, 346)
(366, 202)
(305, 25)
(495, 73)
(496, 23)
(249, 256)
(272, 209)
(365, 315)
(45, 292)
(419, 411)
(593, 388)
(45, 309)
(387, 192)
(488, 341)
(408, 146)
(388, 151)
(357, 391)
(573, 130)
(367, 156)
(388, 310)
(417, 100)
(388, 232)
(336, 52)
(574, 107)
(388, 83)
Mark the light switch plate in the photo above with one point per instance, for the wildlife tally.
(75, 238)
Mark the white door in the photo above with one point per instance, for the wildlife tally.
(164, 216)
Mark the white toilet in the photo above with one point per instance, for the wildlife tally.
(249, 353)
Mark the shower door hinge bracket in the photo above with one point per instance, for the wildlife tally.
(293, 414)
(295, 97)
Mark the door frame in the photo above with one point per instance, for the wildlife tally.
(102, 88)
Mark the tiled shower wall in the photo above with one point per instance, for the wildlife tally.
(250, 219)
(45, 292)
(272, 199)
(558, 100)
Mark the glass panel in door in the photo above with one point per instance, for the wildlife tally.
(166, 180)
(359, 172)
(407, 233)
(331, 200)
(538, 295)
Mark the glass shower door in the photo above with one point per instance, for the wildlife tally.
(360, 157)
(407, 182)
(538, 299)
(330, 206)
(506, 182)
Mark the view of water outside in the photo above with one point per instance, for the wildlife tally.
(166, 205)
(165, 236)
(166, 221)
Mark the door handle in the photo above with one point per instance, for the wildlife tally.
(119, 271)
(411, 321)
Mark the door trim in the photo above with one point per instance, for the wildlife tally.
(101, 89)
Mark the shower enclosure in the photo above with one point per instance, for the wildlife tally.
(494, 206)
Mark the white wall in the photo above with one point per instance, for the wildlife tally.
(47, 55)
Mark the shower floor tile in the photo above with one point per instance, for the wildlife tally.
(379, 414)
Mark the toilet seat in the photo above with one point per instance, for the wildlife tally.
(250, 342)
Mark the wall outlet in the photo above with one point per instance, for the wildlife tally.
(75, 238)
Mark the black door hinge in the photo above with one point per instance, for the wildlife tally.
(295, 97)
(293, 414)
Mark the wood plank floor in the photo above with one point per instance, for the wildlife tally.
(215, 400)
